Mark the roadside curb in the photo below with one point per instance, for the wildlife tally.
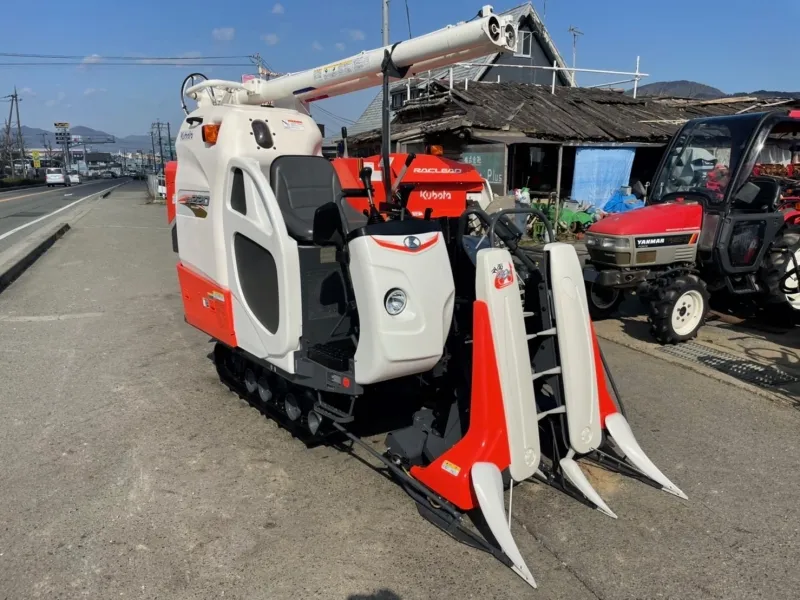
(19, 258)
(19, 266)
(775, 397)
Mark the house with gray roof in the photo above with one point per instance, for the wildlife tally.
(535, 47)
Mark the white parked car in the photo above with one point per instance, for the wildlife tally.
(74, 177)
(56, 176)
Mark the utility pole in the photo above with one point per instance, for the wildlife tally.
(153, 142)
(20, 139)
(157, 125)
(169, 142)
(385, 120)
(575, 33)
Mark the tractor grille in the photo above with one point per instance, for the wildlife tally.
(685, 254)
(748, 371)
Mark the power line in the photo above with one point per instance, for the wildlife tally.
(83, 56)
(123, 64)
(334, 116)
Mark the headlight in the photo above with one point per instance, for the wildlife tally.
(395, 301)
(601, 241)
(614, 242)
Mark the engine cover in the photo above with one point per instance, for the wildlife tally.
(660, 234)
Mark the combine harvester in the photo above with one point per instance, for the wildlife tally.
(324, 315)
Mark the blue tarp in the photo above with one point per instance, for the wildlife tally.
(599, 173)
(622, 203)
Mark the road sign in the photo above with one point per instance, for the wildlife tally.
(61, 125)
(37, 164)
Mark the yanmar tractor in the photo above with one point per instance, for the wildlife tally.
(722, 215)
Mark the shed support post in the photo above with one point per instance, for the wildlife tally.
(558, 188)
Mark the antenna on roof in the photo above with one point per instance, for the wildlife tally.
(575, 33)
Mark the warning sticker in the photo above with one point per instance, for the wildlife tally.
(293, 124)
(451, 468)
(218, 296)
(344, 67)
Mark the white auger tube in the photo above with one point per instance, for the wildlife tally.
(488, 34)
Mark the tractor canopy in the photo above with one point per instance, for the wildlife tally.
(711, 158)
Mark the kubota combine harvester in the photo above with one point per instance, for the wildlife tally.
(722, 215)
(326, 316)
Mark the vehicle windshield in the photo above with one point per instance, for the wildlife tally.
(54, 171)
(703, 156)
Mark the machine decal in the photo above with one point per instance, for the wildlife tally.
(197, 203)
(660, 241)
(451, 468)
(434, 195)
(503, 276)
(293, 124)
(412, 242)
(404, 247)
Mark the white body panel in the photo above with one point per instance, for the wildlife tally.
(455, 43)
(496, 284)
(575, 347)
(205, 241)
(412, 341)
(622, 435)
(488, 485)
(264, 225)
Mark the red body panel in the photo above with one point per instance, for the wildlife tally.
(207, 306)
(440, 183)
(486, 439)
(607, 404)
(672, 217)
(170, 171)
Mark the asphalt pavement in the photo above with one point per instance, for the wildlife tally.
(128, 470)
(23, 211)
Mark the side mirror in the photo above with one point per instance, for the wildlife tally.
(328, 227)
(747, 193)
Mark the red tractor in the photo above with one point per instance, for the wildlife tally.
(722, 215)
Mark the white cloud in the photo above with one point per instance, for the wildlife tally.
(26, 91)
(58, 99)
(91, 91)
(270, 38)
(340, 46)
(223, 34)
(278, 9)
(355, 34)
(316, 45)
(92, 59)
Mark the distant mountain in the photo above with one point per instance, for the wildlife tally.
(680, 89)
(700, 91)
(131, 143)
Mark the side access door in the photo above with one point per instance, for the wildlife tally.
(263, 266)
(747, 231)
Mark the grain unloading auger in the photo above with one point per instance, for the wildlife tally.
(328, 318)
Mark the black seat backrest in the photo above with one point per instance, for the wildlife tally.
(301, 185)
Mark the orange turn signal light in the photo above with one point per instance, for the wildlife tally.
(210, 133)
(436, 150)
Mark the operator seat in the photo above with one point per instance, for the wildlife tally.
(301, 185)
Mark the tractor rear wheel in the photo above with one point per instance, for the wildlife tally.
(778, 264)
(603, 301)
(679, 309)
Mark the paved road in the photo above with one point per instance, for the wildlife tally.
(18, 208)
(128, 471)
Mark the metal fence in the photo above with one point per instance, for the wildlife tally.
(156, 188)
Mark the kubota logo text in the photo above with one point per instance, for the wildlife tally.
(431, 195)
(438, 171)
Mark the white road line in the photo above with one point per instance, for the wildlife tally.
(55, 212)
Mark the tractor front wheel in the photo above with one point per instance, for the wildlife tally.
(679, 309)
(603, 301)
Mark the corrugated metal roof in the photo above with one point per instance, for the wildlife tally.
(371, 117)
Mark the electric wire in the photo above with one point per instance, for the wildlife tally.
(123, 64)
(97, 57)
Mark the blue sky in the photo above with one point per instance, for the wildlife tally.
(737, 46)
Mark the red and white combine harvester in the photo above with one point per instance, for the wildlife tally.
(333, 319)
